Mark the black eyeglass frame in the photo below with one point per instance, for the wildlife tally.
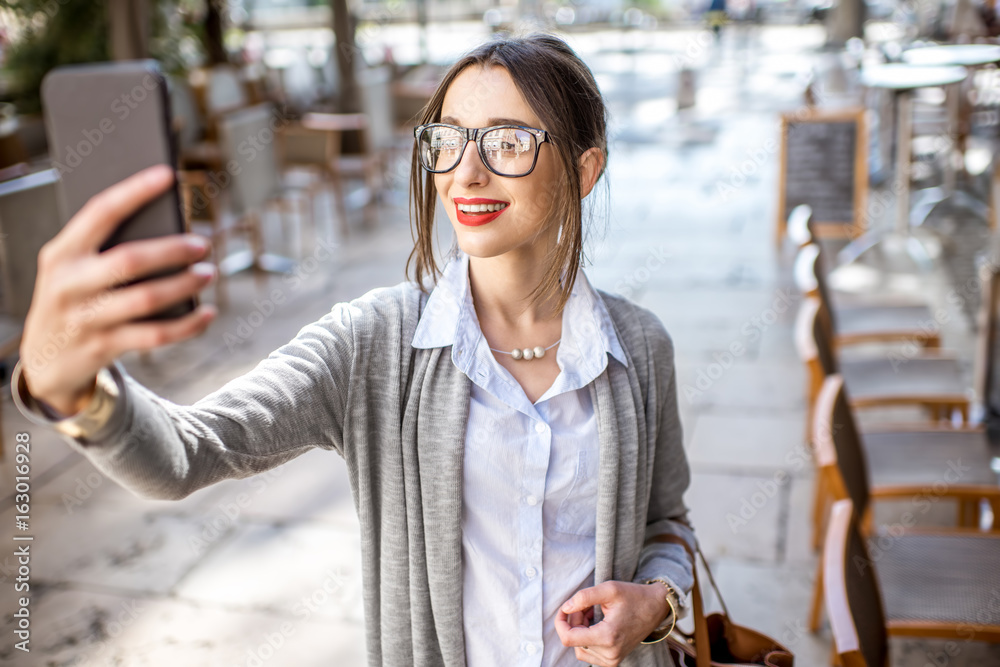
(475, 134)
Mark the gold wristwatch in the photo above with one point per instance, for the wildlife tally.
(83, 424)
(667, 626)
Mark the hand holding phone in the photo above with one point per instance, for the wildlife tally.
(80, 320)
(106, 122)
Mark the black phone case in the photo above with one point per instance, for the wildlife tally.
(107, 121)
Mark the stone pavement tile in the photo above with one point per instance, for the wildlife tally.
(798, 533)
(747, 443)
(737, 516)
(708, 342)
(82, 487)
(87, 628)
(758, 308)
(311, 487)
(686, 273)
(746, 385)
(124, 547)
(282, 568)
(46, 450)
(777, 341)
(772, 598)
(943, 653)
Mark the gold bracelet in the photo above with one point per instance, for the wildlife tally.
(85, 423)
(673, 613)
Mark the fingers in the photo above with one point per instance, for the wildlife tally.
(579, 635)
(129, 303)
(148, 335)
(588, 597)
(102, 214)
(129, 261)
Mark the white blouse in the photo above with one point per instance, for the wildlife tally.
(529, 476)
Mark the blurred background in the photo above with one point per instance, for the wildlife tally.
(804, 191)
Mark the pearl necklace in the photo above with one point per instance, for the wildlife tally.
(529, 353)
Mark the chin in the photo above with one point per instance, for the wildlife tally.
(481, 247)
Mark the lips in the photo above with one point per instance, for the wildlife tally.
(476, 218)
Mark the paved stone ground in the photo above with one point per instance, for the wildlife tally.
(265, 571)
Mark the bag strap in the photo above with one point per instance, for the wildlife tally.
(702, 643)
(675, 539)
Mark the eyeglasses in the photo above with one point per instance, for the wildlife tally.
(506, 150)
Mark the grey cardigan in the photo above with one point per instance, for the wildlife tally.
(351, 382)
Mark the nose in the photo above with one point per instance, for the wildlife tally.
(470, 169)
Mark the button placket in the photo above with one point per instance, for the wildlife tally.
(536, 461)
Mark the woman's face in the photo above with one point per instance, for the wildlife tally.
(480, 97)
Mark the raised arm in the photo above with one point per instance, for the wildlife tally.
(80, 322)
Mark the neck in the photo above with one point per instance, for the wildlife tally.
(501, 288)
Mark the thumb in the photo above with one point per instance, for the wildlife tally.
(584, 598)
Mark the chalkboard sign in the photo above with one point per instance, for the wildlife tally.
(824, 164)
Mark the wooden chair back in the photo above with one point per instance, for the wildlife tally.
(247, 139)
(814, 338)
(186, 115)
(838, 451)
(987, 338)
(851, 590)
(810, 277)
(300, 146)
(29, 217)
(798, 228)
(375, 85)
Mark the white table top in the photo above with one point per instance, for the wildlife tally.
(953, 54)
(908, 77)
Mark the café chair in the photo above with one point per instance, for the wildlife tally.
(928, 378)
(924, 585)
(988, 336)
(29, 217)
(194, 150)
(218, 91)
(923, 464)
(314, 152)
(865, 323)
(248, 141)
(204, 213)
(363, 164)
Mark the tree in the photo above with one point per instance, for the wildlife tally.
(67, 32)
(347, 57)
(213, 28)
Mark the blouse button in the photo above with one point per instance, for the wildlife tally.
(531, 500)
(539, 427)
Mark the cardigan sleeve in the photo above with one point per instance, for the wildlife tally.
(667, 513)
(293, 400)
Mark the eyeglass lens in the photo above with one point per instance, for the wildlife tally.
(508, 151)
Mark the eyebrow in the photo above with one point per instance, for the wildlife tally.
(451, 120)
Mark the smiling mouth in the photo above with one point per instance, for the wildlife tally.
(474, 212)
(481, 208)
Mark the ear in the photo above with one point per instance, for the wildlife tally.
(591, 166)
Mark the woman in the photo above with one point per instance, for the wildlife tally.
(512, 434)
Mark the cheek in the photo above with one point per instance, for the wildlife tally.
(441, 185)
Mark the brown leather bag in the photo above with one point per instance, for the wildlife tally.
(717, 641)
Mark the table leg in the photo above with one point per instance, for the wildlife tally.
(904, 131)
(952, 97)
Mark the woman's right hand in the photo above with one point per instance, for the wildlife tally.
(79, 320)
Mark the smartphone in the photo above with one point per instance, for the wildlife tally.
(105, 122)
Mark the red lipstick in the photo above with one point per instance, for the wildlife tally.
(476, 219)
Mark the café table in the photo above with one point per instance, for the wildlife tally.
(902, 79)
(973, 57)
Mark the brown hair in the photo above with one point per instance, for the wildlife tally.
(562, 92)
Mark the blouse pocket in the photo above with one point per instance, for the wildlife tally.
(578, 511)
